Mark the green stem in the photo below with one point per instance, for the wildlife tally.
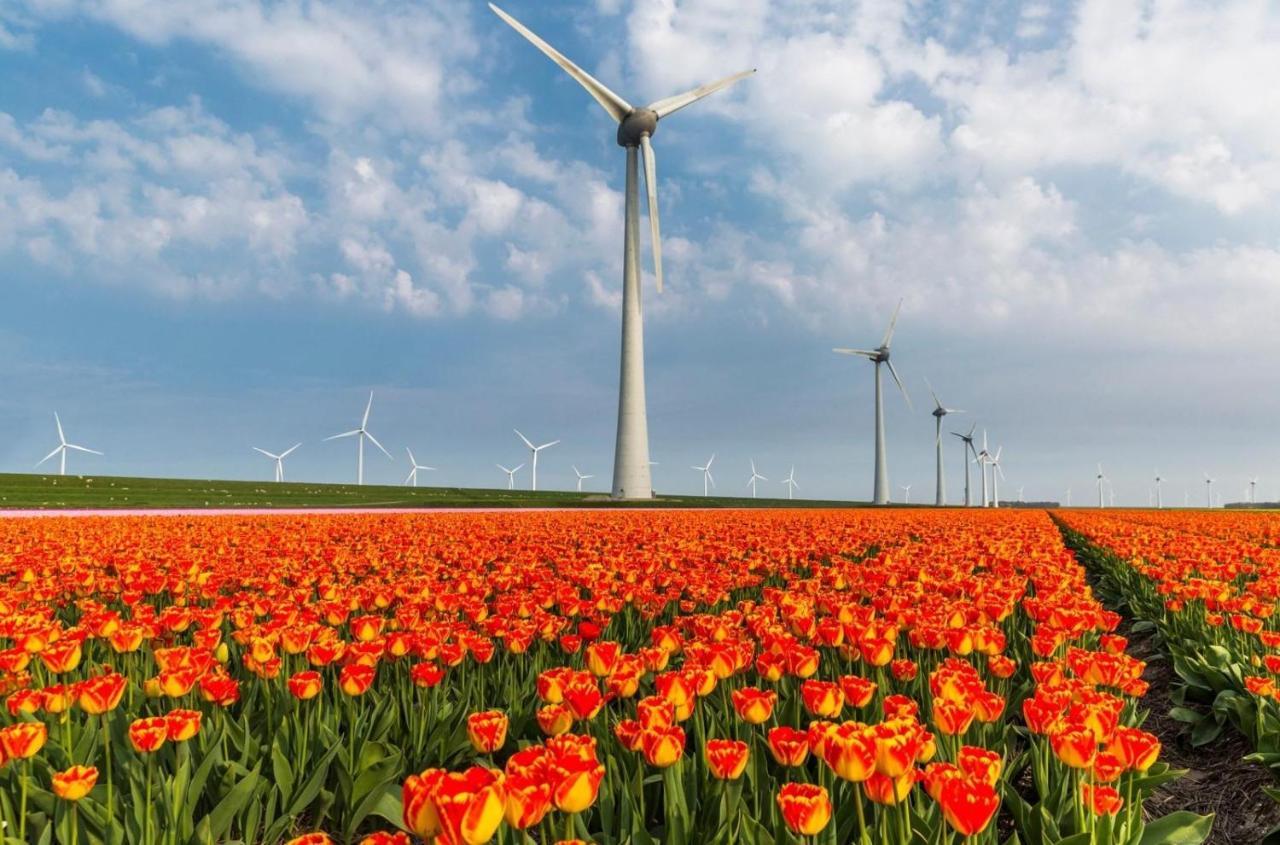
(111, 802)
(22, 811)
(146, 799)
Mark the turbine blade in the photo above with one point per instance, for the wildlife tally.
(548, 445)
(83, 449)
(379, 445)
(522, 437)
(409, 476)
(344, 434)
(412, 462)
(888, 333)
(651, 187)
(51, 454)
(935, 396)
(518, 468)
(711, 478)
(894, 373)
(265, 452)
(617, 107)
(501, 467)
(863, 352)
(712, 460)
(290, 449)
(364, 423)
(61, 437)
(669, 105)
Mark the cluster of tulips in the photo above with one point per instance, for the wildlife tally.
(737, 676)
(1209, 581)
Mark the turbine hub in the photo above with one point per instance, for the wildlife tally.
(639, 122)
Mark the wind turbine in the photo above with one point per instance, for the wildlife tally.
(755, 476)
(1159, 500)
(63, 446)
(279, 459)
(880, 355)
(967, 447)
(511, 475)
(1253, 487)
(790, 481)
(1101, 480)
(906, 493)
(412, 477)
(1111, 494)
(581, 478)
(980, 458)
(635, 129)
(706, 473)
(1208, 490)
(1068, 497)
(535, 450)
(996, 474)
(940, 411)
(1020, 489)
(360, 434)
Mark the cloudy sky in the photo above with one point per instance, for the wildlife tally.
(223, 223)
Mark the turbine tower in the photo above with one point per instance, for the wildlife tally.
(966, 446)
(279, 459)
(1101, 480)
(997, 472)
(1068, 497)
(790, 481)
(1253, 487)
(1020, 489)
(511, 475)
(535, 450)
(1159, 500)
(412, 477)
(705, 469)
(939, 411)
(63, 446)
(635, 129)
(1208, 491)
(880, 355)
(755, 476)
(980, 458)
(581, 478)
(906, 493)
(360, 434)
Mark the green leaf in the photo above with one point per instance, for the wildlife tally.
(283, 773)
(214, 826)
(1178, 828)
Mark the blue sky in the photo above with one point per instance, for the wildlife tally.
(223, 223)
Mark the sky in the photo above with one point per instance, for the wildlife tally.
(224, 222)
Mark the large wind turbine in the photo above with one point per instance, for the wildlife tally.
(63, 446)
(705, 469)
(535, 450)
(790, 481)
(635, 129)
(1101, 479)
(755, 476)
(279, 459)
(360, 434)
(511, 475)
(966, 446)
(412, 477)
(939, 411)
(880, 355)
(581, 478)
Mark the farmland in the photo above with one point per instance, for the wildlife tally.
(635, 676)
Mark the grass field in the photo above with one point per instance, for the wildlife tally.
(73, 491)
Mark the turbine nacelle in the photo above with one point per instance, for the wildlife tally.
(638, 124)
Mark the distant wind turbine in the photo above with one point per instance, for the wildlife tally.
(1020, 489)
(581, 478)
(535, 450)
(1159, 500)
(279, 459)
(790, 481)
(878, 356)
(981, 458)
(360, 434)
(511, 475)
(1253, 487)
(1208, 490)
(755, 476)
(63, 446)
(1102, 479)
(940, 411)
(705, 469)
(966, 441)
(636, 126)
(997, 472)
(906, 493)
(1068, 497)
(412, 477)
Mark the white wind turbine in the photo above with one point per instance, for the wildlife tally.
(981, 458)
(705, 469)
(412, 477)
(790, 481)
(755, 476)
(1020, 489)
(1068, 497)
(1102, 479)
(636, 127)
(279, 459)
(62, 448)
(581, 478)
(906, 493)
(966, 445)
(1208, 490)
(535, 450)
(360, 434)
(997, 472)
(940, 411)
(1253, 487)
(1159, 500)
(878, 356)
(511, 475)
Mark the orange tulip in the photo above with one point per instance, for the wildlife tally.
(102, 694)
(147, 735)
(74, 783)
(968, 805)
(182, 724)
(305, 685)
(726, 758)
(487, 730)
(806, 808)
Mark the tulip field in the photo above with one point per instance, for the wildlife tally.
(732, 676)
